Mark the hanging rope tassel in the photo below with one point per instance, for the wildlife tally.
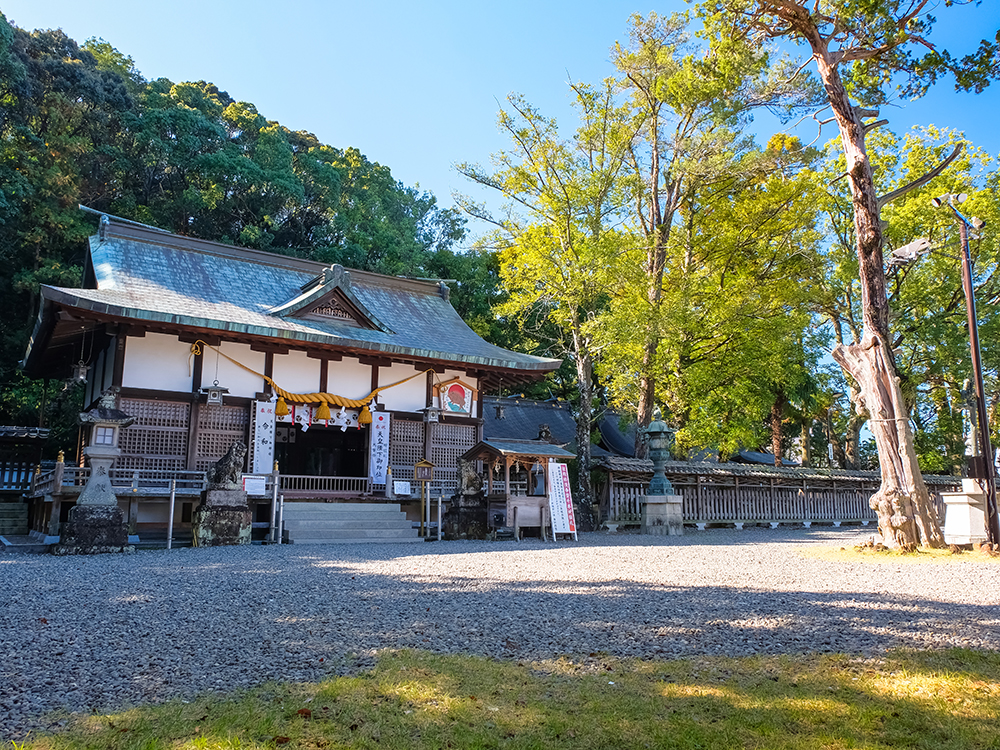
(323, 412)
(281, 408)
(365, 417)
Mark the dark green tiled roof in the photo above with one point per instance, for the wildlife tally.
(156, 277)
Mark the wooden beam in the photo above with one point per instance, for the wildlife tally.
(375, 361)
(325, 356)
(190, 338)
(420, 367)
(197, 370)
(269, 348)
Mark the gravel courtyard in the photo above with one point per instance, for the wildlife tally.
(103, 632)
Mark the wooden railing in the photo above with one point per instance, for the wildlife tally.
(297, 484)
(72, 479)
(739, 499)
(15, 476)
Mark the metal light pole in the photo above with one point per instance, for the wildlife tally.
(988, 468)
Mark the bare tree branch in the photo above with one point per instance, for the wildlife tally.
(921, 181)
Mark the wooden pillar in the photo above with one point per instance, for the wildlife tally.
(324, 374)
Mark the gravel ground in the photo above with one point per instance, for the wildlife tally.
(103, 632)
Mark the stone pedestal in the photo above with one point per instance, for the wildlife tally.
(965, 514)
(222, 519)
(466, 517)
(662, 515)
(96, 524)
(93, 529)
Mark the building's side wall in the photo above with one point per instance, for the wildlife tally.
(238, 380)
(408, 396)
(349, 378)
(157, 362)
(296, 373)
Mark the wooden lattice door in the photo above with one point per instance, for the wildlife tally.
(158, 439)
(218, 428)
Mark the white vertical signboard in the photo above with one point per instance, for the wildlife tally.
(263, 437)
(561, 501)
(378, 459)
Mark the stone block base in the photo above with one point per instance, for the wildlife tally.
(221, 525)
(466, 518)
(662, 515)
(94, 529)
(965, 515)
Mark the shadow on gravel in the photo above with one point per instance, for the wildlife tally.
(92, 632)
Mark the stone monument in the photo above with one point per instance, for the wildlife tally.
(965, 511)
(662, 510)
(223, 517)
(467, 511)
(96, 524)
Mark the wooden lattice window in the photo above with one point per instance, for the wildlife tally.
(450, 441)
(158, 439)
(406, 447)
(218, 428)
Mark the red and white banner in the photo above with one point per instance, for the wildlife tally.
(378, 460)
(561, 500)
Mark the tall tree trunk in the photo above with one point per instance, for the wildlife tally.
(777, 417)
(585, 516)
(805, 452)
(905, 513)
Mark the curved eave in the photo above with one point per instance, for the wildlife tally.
(53, 296)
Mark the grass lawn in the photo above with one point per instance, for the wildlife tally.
(918, 556)
(933, 700)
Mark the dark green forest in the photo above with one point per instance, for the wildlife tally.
(80, 125)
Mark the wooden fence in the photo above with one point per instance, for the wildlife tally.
(754, 496)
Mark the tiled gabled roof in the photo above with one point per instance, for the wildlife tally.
(158, 278)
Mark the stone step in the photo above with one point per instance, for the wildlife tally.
(13, 518)
(22, 543)
(347, 523)
(350, 515)
(300, 507)
(342, 523)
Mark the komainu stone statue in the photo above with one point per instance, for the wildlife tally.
(469, 481)
(225, 473)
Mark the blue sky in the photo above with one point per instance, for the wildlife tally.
(415, 86)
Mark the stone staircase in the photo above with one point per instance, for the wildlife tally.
(13, 519)
(346, 523)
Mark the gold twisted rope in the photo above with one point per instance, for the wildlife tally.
(306, 398)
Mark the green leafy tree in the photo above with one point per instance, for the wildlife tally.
(558, 248)
(863, 51)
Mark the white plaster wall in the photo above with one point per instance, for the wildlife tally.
(411, 396)
(349, 379)
(235, 378)
(158, 362)
(296, 373)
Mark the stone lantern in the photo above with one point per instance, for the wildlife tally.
(661, 439)
(662, 512)
(96, 523)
